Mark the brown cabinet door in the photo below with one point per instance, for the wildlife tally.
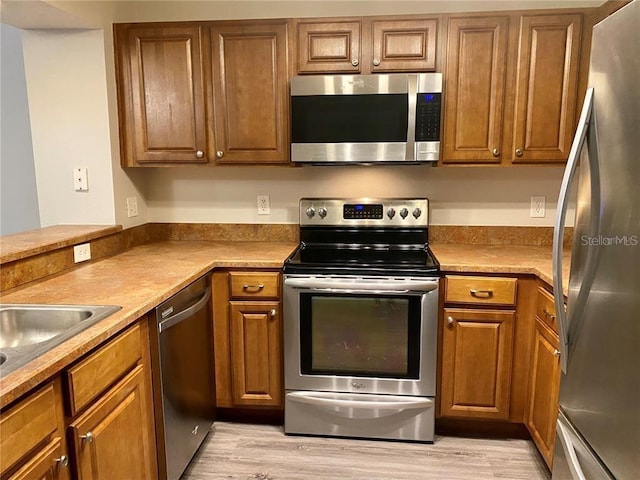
(50, 463)
(404, 45)
(256, 353)
(161, 95)
(544, 385)
(546, 88)
(475, 90)
(114, 438)
(477, 348)
(329, 47)
(249, 65)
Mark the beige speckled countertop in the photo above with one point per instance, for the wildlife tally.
(519, 259)
(137, 280)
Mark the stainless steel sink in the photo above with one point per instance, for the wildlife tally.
(27, 331)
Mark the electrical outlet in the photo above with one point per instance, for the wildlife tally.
(80, 180)
(537, 207)
(263, 205)
(82, 252)
(132, 207)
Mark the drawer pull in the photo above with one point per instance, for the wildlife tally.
(450, 320)
(556, 352)
(63, 461)
(549, 316)
(253, 287)
(481, 293)
(88, 437)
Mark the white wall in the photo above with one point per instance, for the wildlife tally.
(18, 193)
(459, 196)
(66, 84)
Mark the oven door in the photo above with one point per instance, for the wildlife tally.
(360, 335)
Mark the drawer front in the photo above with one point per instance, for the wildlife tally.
(254, 285)
(480, 290)
(27, 424)
(546, 309)
(99, 371)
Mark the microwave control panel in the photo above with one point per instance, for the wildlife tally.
(428, 107)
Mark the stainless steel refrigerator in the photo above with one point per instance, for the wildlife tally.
(598, 428)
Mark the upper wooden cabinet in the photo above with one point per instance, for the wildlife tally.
(545, 112)
(366, 45)
(161, 95)
(249, 80)
(203, 93)
(511, 88)
(475, 86)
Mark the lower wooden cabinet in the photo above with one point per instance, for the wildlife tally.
(256, 348)
(544, 387)
(248, 339)
(112, 438)
(477, 347)
(103, 401)
(32, 443)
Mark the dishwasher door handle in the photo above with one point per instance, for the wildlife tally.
(178, 317)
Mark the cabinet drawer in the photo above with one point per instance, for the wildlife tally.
(27, 424)
(254, 284)
(93, 375)
(480, 290)
(546, 309)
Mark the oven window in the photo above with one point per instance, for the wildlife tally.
(360, 335)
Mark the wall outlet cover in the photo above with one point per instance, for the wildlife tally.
(82, 252)
(263, 205)
(537, 207)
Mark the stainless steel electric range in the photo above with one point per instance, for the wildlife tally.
(360, 320)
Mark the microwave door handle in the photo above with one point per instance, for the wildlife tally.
(412, 87)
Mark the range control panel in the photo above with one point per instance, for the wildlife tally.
(388, 212)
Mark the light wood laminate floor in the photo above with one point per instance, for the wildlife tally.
(263, 452)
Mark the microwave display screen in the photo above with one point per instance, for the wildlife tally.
(349, 118)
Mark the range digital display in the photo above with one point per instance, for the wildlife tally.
(362, 211)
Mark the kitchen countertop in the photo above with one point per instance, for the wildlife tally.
(137, 280)
(144, 276)
(518, 259)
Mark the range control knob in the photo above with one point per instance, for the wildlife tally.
(391, 212)
(311, 212)
(322, 212)
(416, 213)
(403, 213)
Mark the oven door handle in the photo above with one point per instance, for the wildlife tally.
(391, 403)
(382, 286)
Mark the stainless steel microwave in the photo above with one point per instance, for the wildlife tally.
(351, 119)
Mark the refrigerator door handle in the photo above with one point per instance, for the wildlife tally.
(570, 453)
(561, 216)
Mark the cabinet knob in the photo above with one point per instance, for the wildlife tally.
(376, 62)
(273, 313)
(199, 154)
(556, 352)
(87, 437)
(518, 152)
(219, 154)
(354, 62)
(450, 320)
(496, 152)
(63, 461)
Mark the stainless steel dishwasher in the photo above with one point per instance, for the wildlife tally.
(183, 376)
